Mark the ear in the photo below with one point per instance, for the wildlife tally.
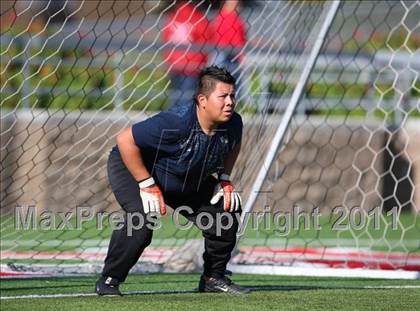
(202, 100)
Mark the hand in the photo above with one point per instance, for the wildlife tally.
(151, 197)
(231, 198)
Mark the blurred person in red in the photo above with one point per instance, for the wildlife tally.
(185, 28)
(229, 36)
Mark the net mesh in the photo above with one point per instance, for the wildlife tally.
(349, 152)
(75, 73)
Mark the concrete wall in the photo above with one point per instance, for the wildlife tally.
(57, 161)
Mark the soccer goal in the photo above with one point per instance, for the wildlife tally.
(329, 168)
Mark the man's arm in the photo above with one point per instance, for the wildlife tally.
(150, 193)
(230, 160)
(232, 200)
(131, 155)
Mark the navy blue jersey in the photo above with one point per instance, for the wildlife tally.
(177, 153)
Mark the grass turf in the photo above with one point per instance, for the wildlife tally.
(270, 293)
(407, 229)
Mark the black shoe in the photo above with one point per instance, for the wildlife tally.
(107, 286)
(223, 285)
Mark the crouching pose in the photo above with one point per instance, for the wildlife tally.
(173, 158)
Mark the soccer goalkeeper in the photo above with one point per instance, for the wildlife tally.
(171, 158)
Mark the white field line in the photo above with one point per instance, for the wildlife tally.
(325, 272)
(151, 292)
(131, 293)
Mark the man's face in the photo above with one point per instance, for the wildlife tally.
(220, 104)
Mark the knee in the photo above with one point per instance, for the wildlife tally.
(224, 227)
(136, 225)
(147, 237)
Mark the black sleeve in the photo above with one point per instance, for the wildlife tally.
(236, 129)
(157, 132)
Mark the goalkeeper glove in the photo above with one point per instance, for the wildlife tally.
(151, 197)
(231, 198)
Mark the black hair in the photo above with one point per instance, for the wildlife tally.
(209, 77)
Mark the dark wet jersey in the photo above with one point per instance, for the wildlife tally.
(177, 153)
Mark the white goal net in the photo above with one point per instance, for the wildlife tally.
(329, 93)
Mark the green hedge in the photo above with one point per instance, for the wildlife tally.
(78, 88)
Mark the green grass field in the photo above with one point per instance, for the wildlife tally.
(269, 293)
(177, 291)
(404, 235)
